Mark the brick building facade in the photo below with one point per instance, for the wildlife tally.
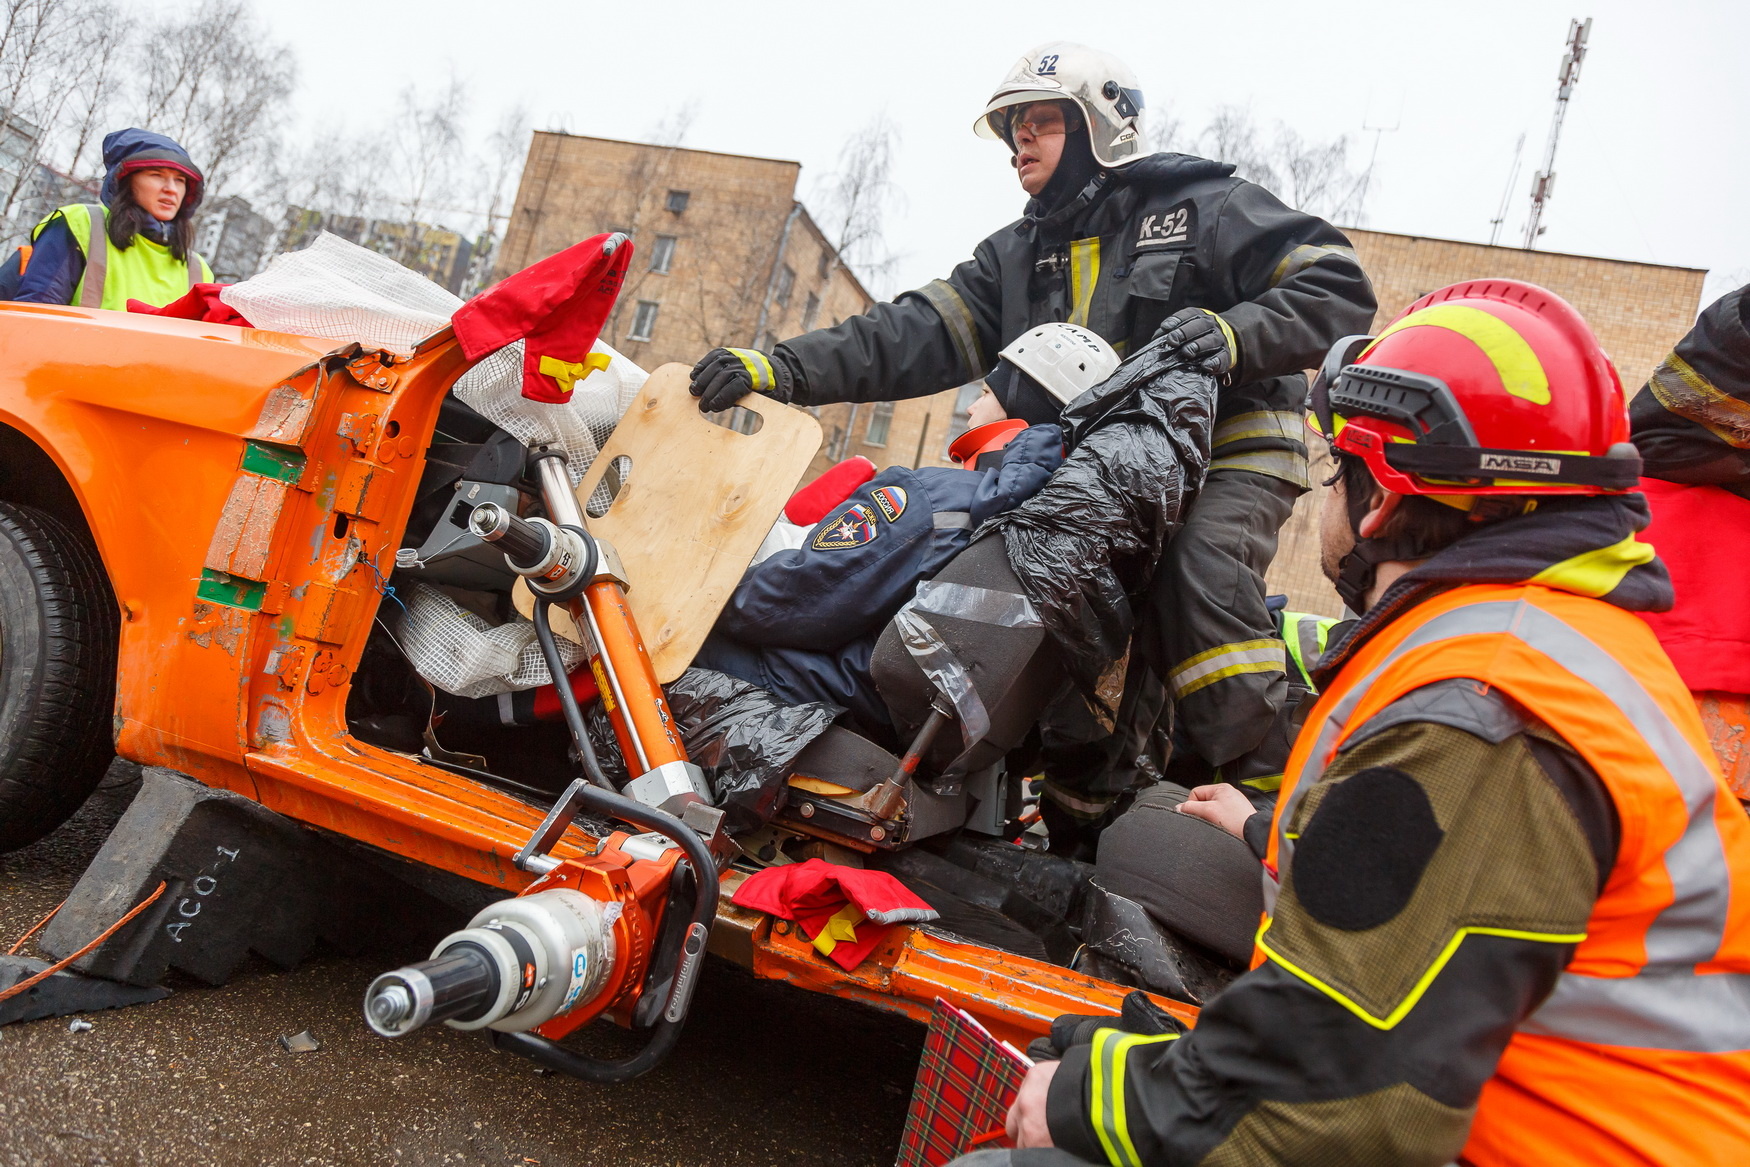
(726, 256)
(1639, 310)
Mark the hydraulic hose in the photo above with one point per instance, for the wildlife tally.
(567, 699)
(604, 799)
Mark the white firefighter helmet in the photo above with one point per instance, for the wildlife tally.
(1066, 360)
(1101, 86)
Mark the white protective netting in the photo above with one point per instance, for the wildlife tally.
(462, 654)
(342, 292)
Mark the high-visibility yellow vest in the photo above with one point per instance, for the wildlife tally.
(143, 271)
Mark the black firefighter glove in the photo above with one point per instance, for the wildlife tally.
(1138, 1014)
(1199, 337)
(726, 375)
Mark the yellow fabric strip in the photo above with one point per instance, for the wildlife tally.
(1596, 573)
(1084, 273)
(842, 925)
(1521, 372)
(1269, 783)
(1304, 256)
(1421, 986)
(1679, 388)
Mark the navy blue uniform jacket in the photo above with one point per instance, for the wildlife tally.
(803, 623)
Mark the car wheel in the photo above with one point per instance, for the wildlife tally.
(58, 632)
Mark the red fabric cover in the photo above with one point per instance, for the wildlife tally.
(547, 707)
(812, 892)
(200, 303)
(1702, 533)
(558, 306)
(816, 500)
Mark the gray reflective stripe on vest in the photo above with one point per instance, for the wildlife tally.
(194, 269)
(1689, 930)
(96, 259)
(952, 520)
(1701, 1013)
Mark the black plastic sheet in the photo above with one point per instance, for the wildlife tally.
(1139, 448)
(741, 736)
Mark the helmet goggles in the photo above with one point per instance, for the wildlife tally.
(1437, 451)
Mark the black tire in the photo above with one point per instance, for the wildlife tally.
(58, 634)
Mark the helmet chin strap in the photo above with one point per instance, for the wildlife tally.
(1356, 571)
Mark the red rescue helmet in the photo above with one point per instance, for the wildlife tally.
(1484, 387)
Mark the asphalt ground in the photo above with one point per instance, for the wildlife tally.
(763, 1073)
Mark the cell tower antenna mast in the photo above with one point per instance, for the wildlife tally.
(1544, 182)
(1507, 193)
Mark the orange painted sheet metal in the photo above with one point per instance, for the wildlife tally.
(1015, 997)
(1727, 718)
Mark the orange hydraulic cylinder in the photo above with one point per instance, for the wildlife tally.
(627, 680)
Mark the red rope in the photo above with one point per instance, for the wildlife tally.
(21, 986)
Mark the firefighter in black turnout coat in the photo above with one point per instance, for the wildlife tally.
(1133, 246)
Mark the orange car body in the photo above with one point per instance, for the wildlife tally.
(247, 491)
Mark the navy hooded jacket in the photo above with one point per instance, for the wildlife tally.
(56, 262)
(803, 624)
(866, 558)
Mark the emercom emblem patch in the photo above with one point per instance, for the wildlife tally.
(851, 527)
(1173, 227)
(891, 500)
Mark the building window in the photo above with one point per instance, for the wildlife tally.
(662, 255)
(963, 400)
(880, 421)
(677, 200)
(825, 262)
(644, 320)
(810, 310)
(786, 285)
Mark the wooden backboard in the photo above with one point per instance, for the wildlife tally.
(695, 505)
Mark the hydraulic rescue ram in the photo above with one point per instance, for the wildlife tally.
(606, 933)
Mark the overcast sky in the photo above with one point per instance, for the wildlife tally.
(1654, 162)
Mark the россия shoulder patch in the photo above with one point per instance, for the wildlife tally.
(891, 500)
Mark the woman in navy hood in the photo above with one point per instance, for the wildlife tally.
(151, 189)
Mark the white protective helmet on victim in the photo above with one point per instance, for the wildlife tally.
(1100, 85)
(1064, 359)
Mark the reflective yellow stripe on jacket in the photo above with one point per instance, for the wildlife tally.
(144, 271)
(1267, 655)
(1109, 1063)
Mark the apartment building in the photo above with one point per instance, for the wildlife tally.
(726, 256)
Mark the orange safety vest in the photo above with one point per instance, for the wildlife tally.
(1641, 1053)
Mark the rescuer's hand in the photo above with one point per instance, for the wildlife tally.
(1222, 805)
(1026, 1125)
(1199, 337)
(726, 375)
